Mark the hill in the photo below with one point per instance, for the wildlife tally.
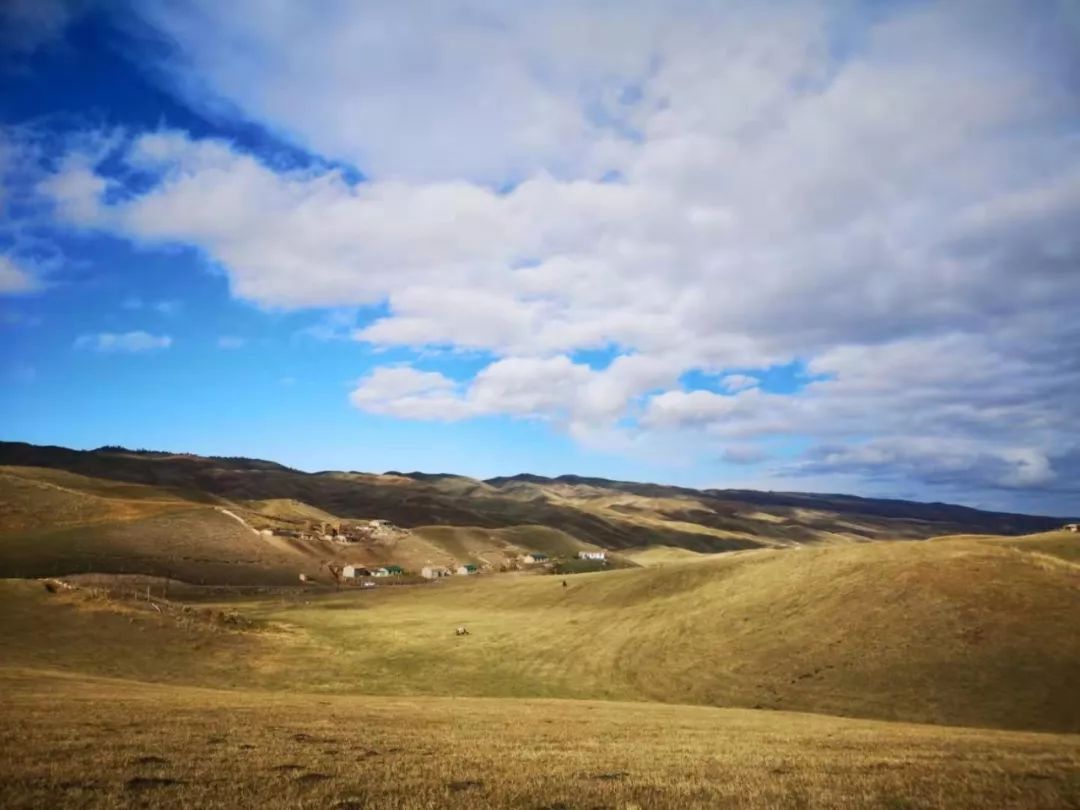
(953, 632)
(106, 489)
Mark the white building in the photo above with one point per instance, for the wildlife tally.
(592, 555)
(434, 571)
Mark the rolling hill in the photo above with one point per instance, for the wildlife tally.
(115, 510)
(957, 632)
(812, 663)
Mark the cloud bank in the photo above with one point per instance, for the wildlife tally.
(887, 199)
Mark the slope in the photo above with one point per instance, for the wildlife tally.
(610, 514)
(955, 632)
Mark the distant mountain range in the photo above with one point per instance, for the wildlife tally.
(611, 514)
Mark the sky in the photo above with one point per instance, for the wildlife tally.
(804, 246)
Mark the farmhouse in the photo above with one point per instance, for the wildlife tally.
(534, 557)
(466, 569)
(592, 555)
(434, 571)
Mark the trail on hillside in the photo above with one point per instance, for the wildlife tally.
(237, 517)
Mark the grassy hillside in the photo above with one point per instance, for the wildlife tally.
(610, 514)
(955, 632)
(144, 745)
(663, 555)
(1061, 544)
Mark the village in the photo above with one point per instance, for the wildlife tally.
(365, 576)
(531, 560)
(380, 532)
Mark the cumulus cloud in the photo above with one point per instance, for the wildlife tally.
(15, 279)
(410, 393)
(123, 342)
(889, 199)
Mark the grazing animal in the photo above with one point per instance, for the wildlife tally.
(461, 631)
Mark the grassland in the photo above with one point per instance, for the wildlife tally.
(956, 632)
(848, 674)
(89, 742)
(563, 697)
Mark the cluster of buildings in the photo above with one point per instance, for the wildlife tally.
(363, 574)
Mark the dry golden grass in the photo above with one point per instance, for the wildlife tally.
(32, 499)
(664, 555)
(957, 633)
(106, 702)
(89, 742)
(1061, 544)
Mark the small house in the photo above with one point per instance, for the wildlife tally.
(381, 572)
(354, 571)
(592, 555)
(465, 570)
(1073, 527)
(434, 571)
(534, 557)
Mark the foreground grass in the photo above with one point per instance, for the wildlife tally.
(72, 741)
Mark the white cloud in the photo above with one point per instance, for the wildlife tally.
(231, 342)
(409, 393)
(889, 199)
(125, 342)
(739, 382)
(15, 279)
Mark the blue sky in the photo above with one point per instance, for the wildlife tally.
(796, 246)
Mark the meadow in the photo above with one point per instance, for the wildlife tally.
(87, 742)
(730, 681)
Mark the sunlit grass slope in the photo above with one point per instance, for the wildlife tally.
(955, 632)
(1064, 545)
(960, 633)
(83, 742)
